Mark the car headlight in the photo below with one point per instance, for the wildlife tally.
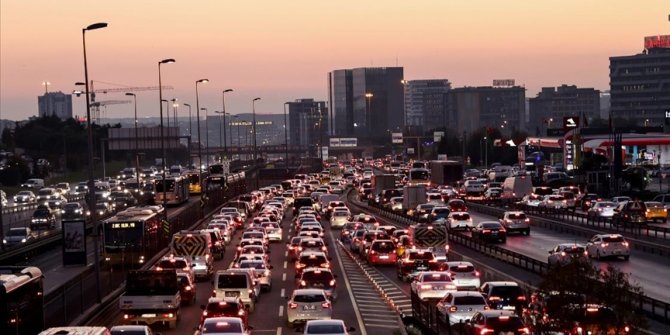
(23, 240)
(4, 241)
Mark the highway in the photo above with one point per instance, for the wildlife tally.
(357, 302)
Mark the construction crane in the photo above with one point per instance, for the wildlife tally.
(95, 105)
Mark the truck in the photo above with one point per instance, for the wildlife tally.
(412, 196)
(445, 172)
(381, 182)
(197, 247)
(151, 297)
(432, 236)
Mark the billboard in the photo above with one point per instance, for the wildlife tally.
(148, 138)
(570, 122)
(437, 136)
(659, 41)
(338, 142)
(396, 138)
(74, 242)
(503, 82)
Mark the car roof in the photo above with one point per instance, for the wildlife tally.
(308, 291)
(501, 283)
(497, 312)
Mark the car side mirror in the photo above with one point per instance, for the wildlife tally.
(351, 329)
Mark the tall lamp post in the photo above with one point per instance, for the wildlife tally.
(206, 134)
(285, 137)
(190, 137)
(197, 111)
(160, 103)
(238, 135)
(223, 114)
(253, 127)
(368, 126)
(137, 149)
(91, 183)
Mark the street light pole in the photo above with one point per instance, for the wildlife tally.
(160, 103)
(91, 183)
(137, 150)
(220, 132)
(285, 137)
(238, 134)
(253, 127)
(197, 110)
(223, 113)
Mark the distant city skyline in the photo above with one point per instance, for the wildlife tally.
(283, 51)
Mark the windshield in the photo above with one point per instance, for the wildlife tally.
(420, 255)
(383, 247)
(506, 291)
(325, 329)
(317, 276)
(516, 216)
(436, 277)
(462, 268)
(464, 216)
(613, 239)
(419, 174)
(169, 185)
(16, 232)
(309, 298)
(469, 300)
(215, 327)
(232, 281)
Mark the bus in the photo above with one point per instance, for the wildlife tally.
(175, 190)
(419, 176)
(195, 181)
(132, 236)
(21, 300)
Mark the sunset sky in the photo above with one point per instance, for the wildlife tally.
(282, 50)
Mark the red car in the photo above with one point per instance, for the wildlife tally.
(415, 260)
(382, 252)
(228, 306)
(457, 205)
(187, 289)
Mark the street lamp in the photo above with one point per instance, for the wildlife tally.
(253, 127)
(91, 183)
(285, 137)
(206, 135)
(160, 103)
(137, 159)
(238, 135)
(223, 114)
(190, 139)
(175, 107)
(197, 110)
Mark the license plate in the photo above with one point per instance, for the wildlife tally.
(506, 333)
(495, 233)
(148, 315)
(422, 268)
(438, 288)
(232, 294)
(309, 307)
(384, 257)
(509, 308)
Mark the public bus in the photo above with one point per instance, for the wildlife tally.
(21, 300)
(216, 180)
(418, 176)
(174, 189)
(132, 236)
(195, 181)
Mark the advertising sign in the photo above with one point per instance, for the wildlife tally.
(74, 242)
(570, 122)
(437, 136)
(503, 82)
(396, 138)
(324, 153)
(659, 41)
(337, 142)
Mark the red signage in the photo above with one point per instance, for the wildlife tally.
(660, 41)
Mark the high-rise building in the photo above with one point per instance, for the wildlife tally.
(555, 103)
(366, 103)
(55, 103)
(308, 122)
(477, 107)
(426, 104)
(640, 84)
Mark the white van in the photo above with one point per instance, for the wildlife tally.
(516, 187)
(34, 183)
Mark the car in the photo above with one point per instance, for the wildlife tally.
(178, 263)
(17, 235)
(459, 307)
(439, 212)
(457, 205)
(263, 272)
(608, 245)
(382, 252)
(356, 239)
(601, 209)
(24, 197)
(586, 201)
(423, 212)
(621, 199)
(74, 211)
(414, 261)
(43, 217)
(320, 278)
(241, 284)
(56, 202)
(569, 198)
(464, 275)
(368, 221)
(339, 217)
(368, 238)
(187, 288)
(506, 295)
(308, 259)
(474, 187)
(308, 304)
(326, 327)
(495, 322)
(45, 194)
(396, 204)
(489, 231)
(227, 306)
(493, 193)
(656, 211)
(313, 244)
(630, 212)
(515, 221)
(565, 253)
(292, 248)
(432, 284)
(552, 202)
(131, 330)
(459, 221)
(223, 326)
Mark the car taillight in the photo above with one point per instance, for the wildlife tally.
(303, 283)
(325, 305)
(292, 305)
(494, 298)
(240, 312)
(524, 330)
(453, 309)
(426, 287)
(521, 298)
(605, 245)
(204, 313)
(527, 220)
(486, 331)
(188, 288)
(325, 265)
(324, 248)
(625, 244)
(332, 282)
(372, 252)
(476, 273)
(486, 231)
(158, 268)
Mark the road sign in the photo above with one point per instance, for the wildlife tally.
(437, 136)
(396, 138)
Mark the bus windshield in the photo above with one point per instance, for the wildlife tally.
(169, 185)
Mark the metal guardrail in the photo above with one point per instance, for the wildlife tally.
(652, 308)
(580, 224)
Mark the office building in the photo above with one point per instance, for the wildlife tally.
(640, 84)
(555, 103)
(366, 103)
(55, 104)
(475, 107)
(426, 104)
(308, 122)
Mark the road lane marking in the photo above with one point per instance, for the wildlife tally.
(285, 255)
(285, 264)
(283, 292)
(283, 276)
(281, 311)
(361, 326)
(278, 330)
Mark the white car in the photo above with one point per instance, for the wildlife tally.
(432, 284)
(460, 220)
(532, 200)
(339, 218)
(604, 209)
(608, 245)
(273, 231)
(464, 275)
(223, 326)
(474, 187)
(263, 272)
(308, 304)
(460, 306)
(327, 327)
